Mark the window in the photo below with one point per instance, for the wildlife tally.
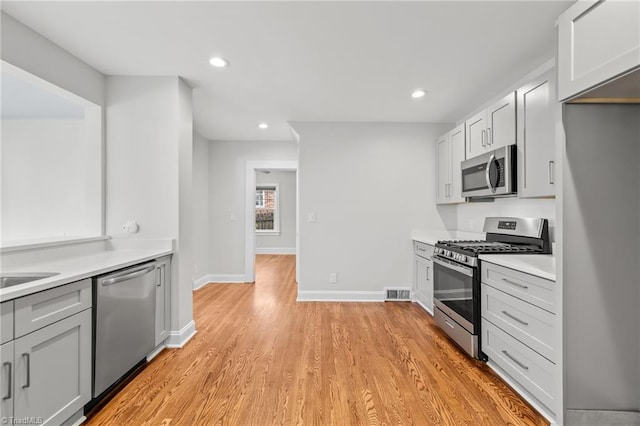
(267, 214)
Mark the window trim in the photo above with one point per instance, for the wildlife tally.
(276, 209)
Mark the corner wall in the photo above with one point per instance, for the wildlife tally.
(200, 208)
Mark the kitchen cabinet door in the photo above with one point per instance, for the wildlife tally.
(424, 282)
(476, 129)
(53, 370)
(163, 300)
(597, 41)
(7, 380)
(443, 178)
(457, 143)
(501, 122)
(536, 137)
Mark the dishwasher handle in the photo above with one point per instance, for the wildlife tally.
(134, 273)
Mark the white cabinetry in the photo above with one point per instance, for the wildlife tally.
(450, 152)
(163, 299)
(46, 370)
(519, 331)
(536, 137)
(597, 41)
(6, 321)
(493, 127)
(423, 275)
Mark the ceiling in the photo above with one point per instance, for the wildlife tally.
(309, 61)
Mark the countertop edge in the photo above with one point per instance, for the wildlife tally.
(23, 290)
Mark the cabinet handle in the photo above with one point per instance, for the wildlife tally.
(482, 142)
(428, 273)
(9, 384)
(515, 318)
(160, 276)
(28, 361)
(449, 324)
(551, 165)
(515, 283)
(508, 355)
(489, 140)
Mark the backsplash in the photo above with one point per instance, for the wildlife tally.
(470, 216)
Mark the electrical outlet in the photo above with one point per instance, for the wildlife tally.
(333, 278)
(311, 217)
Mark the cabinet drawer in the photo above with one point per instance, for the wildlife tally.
(531, 325)
(6, 321)
(535, 290)
(423, 250)
(41, 309)
(531, 370)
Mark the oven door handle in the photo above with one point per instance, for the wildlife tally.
(450, 265)
(487, 175)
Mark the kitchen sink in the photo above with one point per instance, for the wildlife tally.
(10, 279)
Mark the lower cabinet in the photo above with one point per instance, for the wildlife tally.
(519, 332)
(46, 374)
(423, 275)
(163, 299)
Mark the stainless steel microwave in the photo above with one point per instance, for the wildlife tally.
(490, 175)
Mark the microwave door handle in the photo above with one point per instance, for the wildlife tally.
(487, 174)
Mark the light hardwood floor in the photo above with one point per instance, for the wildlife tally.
(261, 358)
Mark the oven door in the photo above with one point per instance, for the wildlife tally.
(453, 292)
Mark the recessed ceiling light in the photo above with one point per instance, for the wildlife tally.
(263, 126)
(219, 62)
(418, 93)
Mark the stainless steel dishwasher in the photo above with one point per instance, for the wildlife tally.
(124, 323)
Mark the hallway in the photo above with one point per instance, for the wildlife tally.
(260, 358)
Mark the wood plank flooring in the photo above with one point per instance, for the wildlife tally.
(261, 358)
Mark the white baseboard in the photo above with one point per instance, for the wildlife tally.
(212, 278)
(423, 306)
(340, 296)
(275, 250)
(178, 339)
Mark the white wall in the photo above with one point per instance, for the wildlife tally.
(26, 49)
(470, 216)
(43, 180)
(285, 243)
(368, 185)
(149, 171)
(227, 198)
(201, 231)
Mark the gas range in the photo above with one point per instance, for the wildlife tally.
(467, 251)
(456, 267)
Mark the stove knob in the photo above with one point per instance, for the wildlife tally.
(456, 256)
(463, 258)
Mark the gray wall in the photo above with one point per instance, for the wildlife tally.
(227, 198)
(201, 205)
(601, 257)
(368, 184)
(286, 181)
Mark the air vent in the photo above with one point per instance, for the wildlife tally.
(397, 294)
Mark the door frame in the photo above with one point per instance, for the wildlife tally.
(250, 212)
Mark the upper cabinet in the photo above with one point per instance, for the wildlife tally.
(450, 152)
(536, 145)
(597, 42)
(493, 127)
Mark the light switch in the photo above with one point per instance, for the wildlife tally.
(311, 217)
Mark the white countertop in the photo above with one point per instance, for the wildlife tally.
(540, 265)
(76, 268)
(431, 237)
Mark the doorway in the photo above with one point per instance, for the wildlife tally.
(253, 169)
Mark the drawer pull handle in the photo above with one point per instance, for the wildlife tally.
(9, 384)
(515, 283)
(28, 361)
(515, 318)
(449, 324)
(508, 355)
